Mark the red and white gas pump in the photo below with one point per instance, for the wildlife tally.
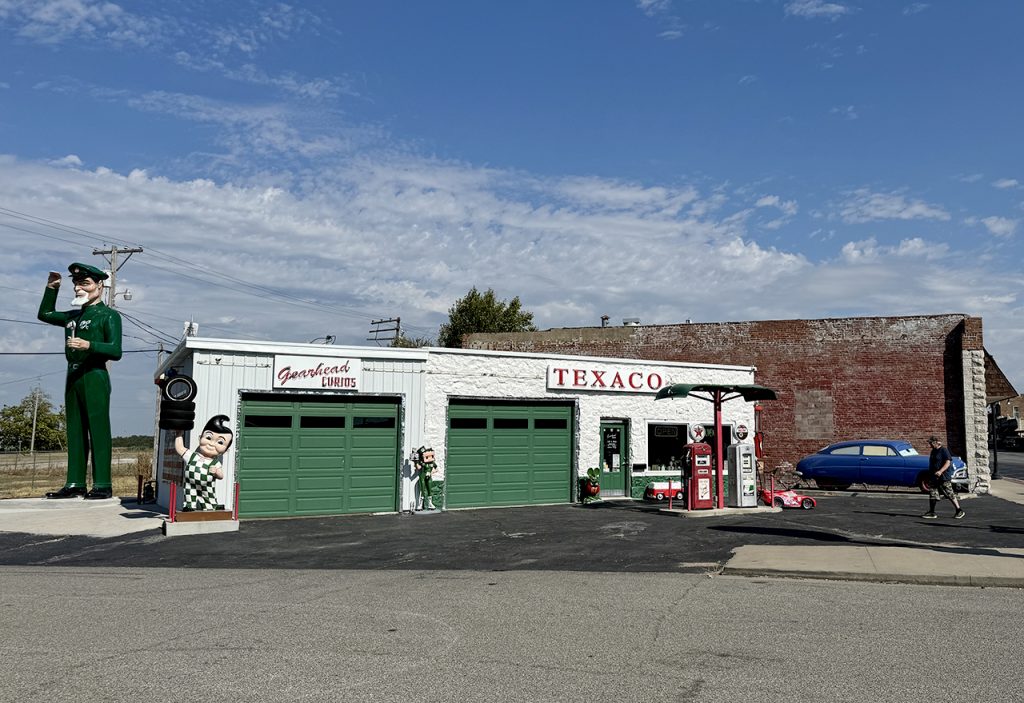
(699, 489)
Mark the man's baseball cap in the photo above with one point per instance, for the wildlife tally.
(85, 270)
(933, 438)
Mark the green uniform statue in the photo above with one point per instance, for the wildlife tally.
(424, 463)
(92, 337)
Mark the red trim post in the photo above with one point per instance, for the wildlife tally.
(234, 515)
(719, 463)
(172, 507)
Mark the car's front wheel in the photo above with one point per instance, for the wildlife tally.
(806, 503)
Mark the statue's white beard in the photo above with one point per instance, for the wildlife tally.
(80, 300)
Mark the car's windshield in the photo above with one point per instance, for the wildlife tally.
(907, 451)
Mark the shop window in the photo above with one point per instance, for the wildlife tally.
(511, 423)
(665, 446)
(469, 423)
(373, 423)
(322, 422)
(550, 423)
(268, 421)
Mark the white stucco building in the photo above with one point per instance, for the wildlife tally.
(323, 430)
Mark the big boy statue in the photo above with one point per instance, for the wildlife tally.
(92, 337)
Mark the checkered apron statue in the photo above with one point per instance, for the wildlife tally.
(203, 467)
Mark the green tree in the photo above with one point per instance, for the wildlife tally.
(403, 342)
(16, 424)
(483, 312)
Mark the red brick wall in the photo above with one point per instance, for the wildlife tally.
(849, 378)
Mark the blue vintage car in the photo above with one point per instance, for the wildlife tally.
(876, 462)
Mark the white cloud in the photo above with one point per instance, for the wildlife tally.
(748, 79)
(848, 112)
(970, 177)
(69, 160)
(653, 8)
(862, 205)
(56, 21)
(1000, 226)
(817, 9)
(788, 207)
(915, 8)
(662, 11)
(869, 251)
(1004, 183)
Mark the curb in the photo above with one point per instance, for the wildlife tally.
(911, 579)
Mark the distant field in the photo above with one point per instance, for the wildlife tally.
(19, 478)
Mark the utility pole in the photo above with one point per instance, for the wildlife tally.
(111, 256)
(32, 445)
(377, 330)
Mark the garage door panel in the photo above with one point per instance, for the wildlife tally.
(318, 504)
(334, 441)
(257, 505)
(267, 484)
(507, 477)
(264, 441)
(319, 483)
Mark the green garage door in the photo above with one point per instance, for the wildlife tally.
(508, 454)
(316, 455)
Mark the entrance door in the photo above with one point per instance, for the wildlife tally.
(614, 455)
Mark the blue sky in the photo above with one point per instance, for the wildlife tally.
(296, 170)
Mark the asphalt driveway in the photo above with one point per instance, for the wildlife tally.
(612, 537)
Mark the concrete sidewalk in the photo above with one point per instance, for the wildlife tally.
(78, 517)
(942, 566)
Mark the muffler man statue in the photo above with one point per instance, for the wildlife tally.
(92, 337)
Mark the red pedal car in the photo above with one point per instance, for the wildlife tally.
(787, 499)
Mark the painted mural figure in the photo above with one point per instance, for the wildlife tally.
(92, 337)
(203, 467)
(423, 462)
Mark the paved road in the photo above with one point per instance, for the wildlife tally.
(1011, 465)
(610, 537)
(196, 635)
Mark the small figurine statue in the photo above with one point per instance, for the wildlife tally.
(203, 466)
(423, 462)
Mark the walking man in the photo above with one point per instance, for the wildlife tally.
(940, 465)
(92, 337)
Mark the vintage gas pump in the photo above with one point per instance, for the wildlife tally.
(741, 475)
(699, 476)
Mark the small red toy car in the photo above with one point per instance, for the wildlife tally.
(660, 490)
(787, 499)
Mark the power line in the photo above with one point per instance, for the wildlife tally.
(161, 336)
(31, 378)
(24, 322)
(125, 351)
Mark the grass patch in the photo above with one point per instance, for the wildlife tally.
(20, 479)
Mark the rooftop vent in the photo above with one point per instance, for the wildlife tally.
(631, 322)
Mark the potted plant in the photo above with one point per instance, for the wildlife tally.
(590, 487)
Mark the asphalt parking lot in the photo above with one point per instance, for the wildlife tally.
(613, 536)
